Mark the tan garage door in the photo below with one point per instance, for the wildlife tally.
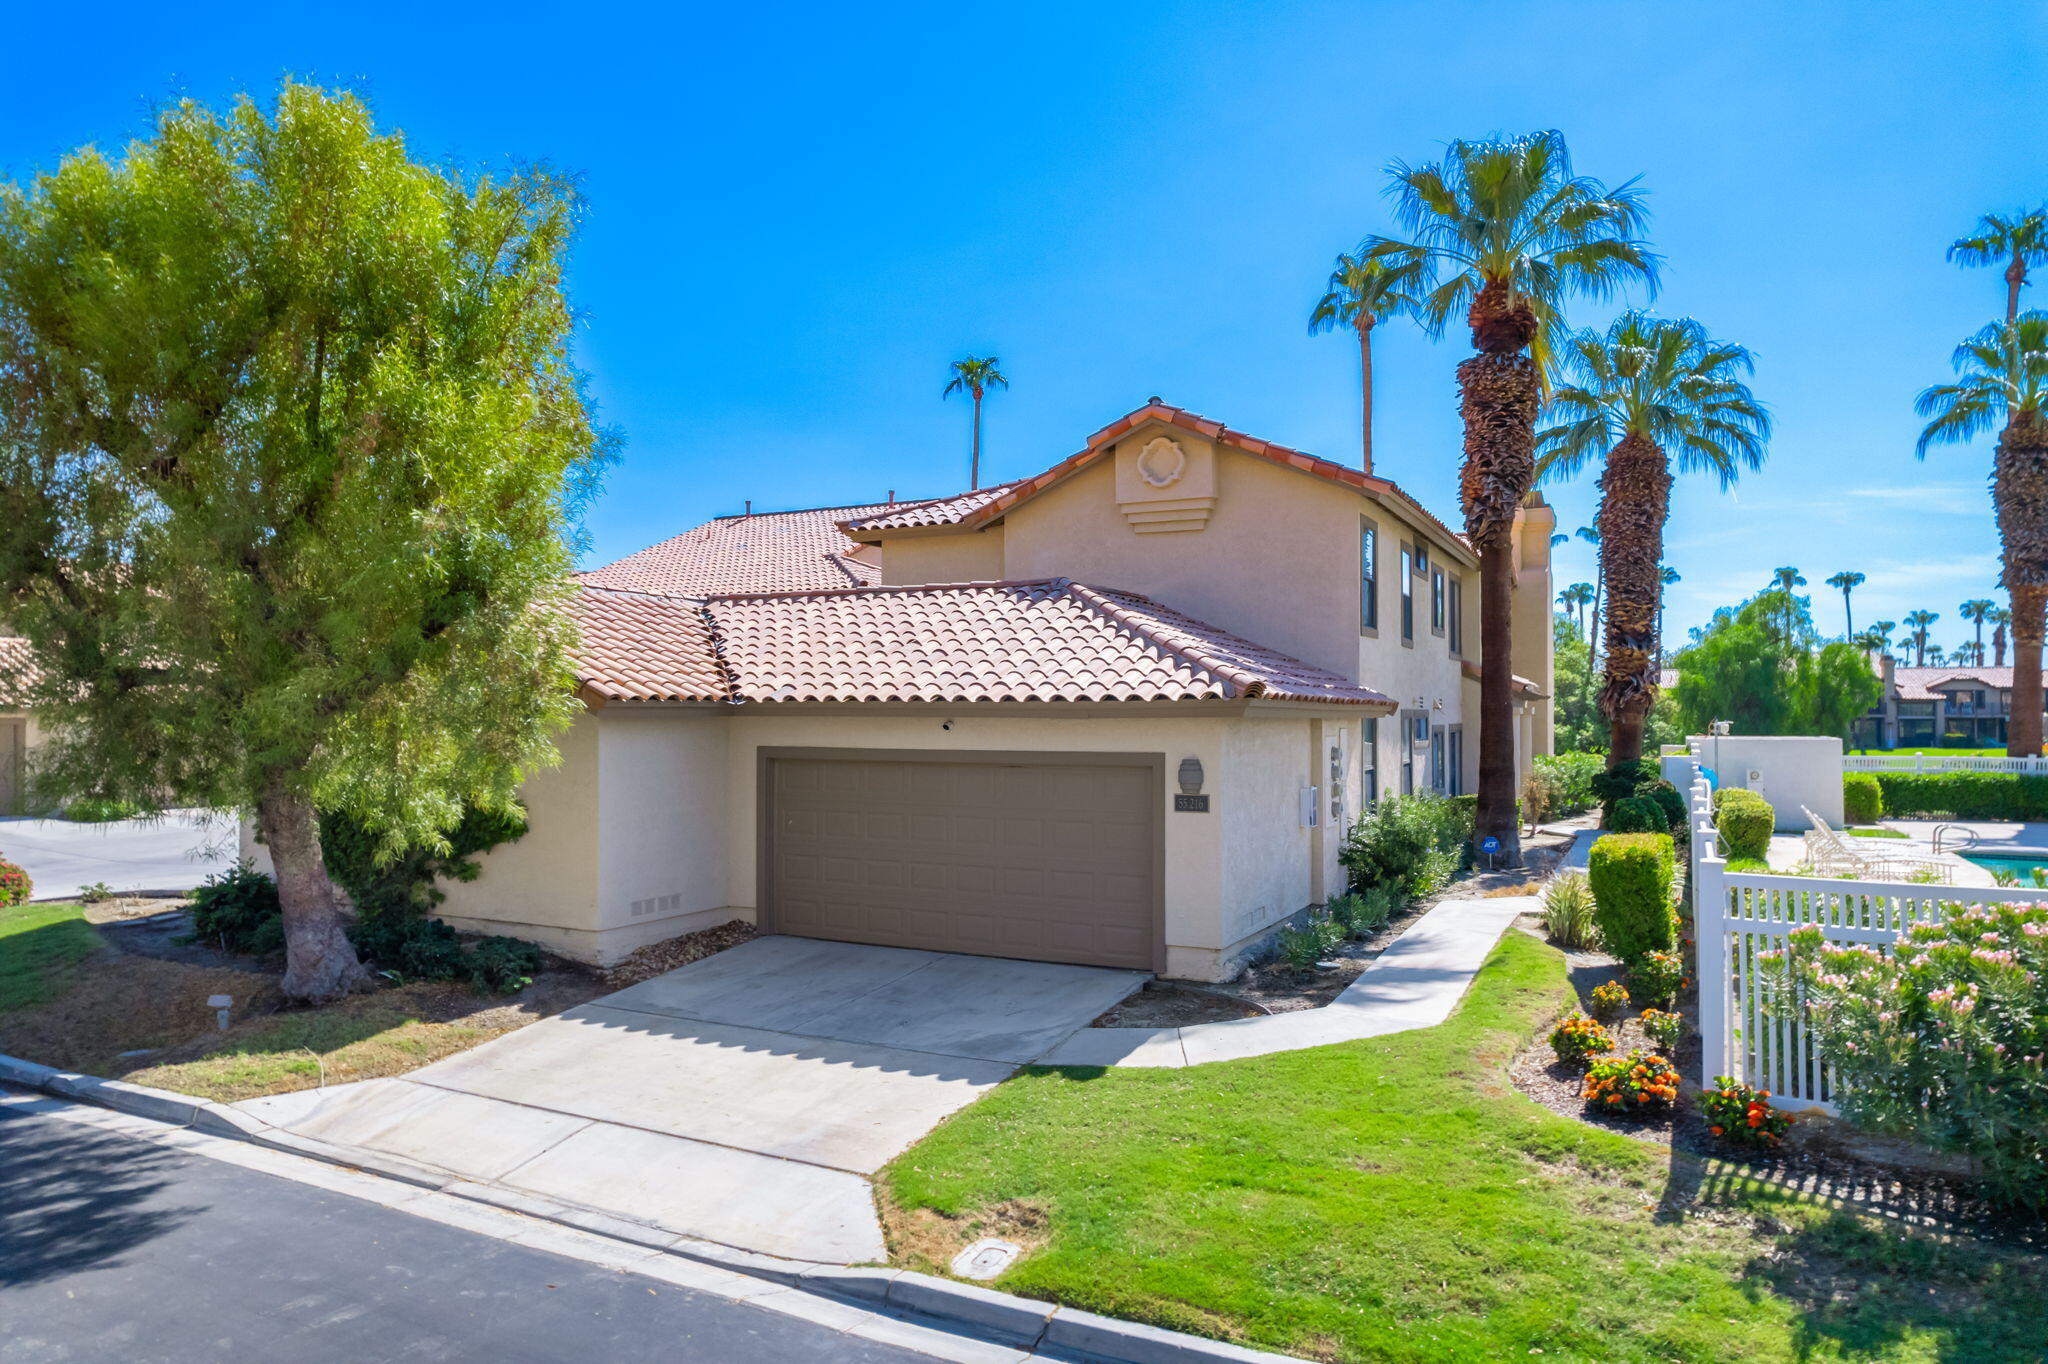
(1049, 860)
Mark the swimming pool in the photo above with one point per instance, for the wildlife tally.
(2022, 864)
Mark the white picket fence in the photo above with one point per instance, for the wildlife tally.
(1915, 762)
(1738, 916)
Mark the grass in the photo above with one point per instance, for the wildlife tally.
(1396, 1199)
(1878, 833)
(1928, 752)
(40, 948)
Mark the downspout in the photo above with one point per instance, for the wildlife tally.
(1318, 779)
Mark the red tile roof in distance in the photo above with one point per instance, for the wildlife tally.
(789, 551)
(972, 510)
(17, 669)
(1049, 640)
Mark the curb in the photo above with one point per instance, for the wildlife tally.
(966, 1309)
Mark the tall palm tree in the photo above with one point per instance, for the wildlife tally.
(2001, 621)
(1846, 582)
(2014, 240)
(1936, 656)
(1970, 651)
(1976, 611)
(1919, 621)
(1785, 579)
(2002, 384)
(1362, 293)
(1574, 599)
(1665, 578)
(1500, 233)
(1876, 639)
(1883, 630)
(1645, 393)
(975, 376)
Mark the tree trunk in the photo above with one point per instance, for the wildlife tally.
(320, 962)
(2015, 276)
(1635, 498)
(1498, 397)
(2023, 736)
(974, 460)
(1365, 326)
(1848, 616)
(2019, 495)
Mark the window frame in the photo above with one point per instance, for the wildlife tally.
(1368, 577)
(1369, 762)
(1457, 612)
(1408, 570)
(1439, 602)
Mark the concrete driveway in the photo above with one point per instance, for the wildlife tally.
(173, 853)
(743, 1099)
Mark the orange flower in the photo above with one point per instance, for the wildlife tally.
(1715, 1130)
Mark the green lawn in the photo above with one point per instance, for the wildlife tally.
(1928, 752)
(40, 948)
(1396, 1199)
(1877, 833)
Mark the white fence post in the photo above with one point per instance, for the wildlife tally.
(1709, 929)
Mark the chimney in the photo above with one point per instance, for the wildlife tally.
(1886, 666)
(750, 508)
(892, 497)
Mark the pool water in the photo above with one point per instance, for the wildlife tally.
(2021, 865)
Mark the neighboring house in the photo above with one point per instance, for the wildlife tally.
(19, 732)
(1921, 706)
(1120, 713)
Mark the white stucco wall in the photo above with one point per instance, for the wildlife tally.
(1267, 854)
(1786, 771)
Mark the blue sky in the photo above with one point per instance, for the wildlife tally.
(799, 214)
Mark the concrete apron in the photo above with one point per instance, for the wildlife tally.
(745, 1099)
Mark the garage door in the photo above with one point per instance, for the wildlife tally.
(1053, 861)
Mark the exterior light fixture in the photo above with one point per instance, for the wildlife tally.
(1191, 776)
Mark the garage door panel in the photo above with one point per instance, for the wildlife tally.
(1044, 860)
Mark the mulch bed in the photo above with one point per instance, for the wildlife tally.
(667, 955)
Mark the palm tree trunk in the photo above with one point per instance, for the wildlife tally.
(1635, 498)
(974, 460)
(2019, 494)
(1498, 398)
(320, 962)
(1848, 615)
(1365, 325)
(2015, 276)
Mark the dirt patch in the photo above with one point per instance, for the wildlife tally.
(118, 1003)
(658, 958)
(929, 1240)
(133, 929)
(1174, 1004)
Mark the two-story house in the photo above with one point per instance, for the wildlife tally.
(1121, 712)
(1921, 707)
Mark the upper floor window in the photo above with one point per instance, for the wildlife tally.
(1407, 595)
(1437, 601)
(1368, 575)
(1369, 763)
(1457, 616)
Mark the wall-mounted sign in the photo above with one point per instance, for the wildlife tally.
(1195, 805)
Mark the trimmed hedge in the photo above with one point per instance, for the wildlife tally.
(1631, 876)
(1963, 795)
(1670, 802)
(1637, 815)
(1744, 820)
(1862, 798)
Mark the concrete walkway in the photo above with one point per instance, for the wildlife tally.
(1415, 983)
(174, 853)
(744, 1099)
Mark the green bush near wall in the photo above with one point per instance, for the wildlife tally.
(1862, 798)
(1963, 795)
(1744, 820)
(1638, 815)
(1631, 875)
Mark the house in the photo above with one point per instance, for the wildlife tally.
(1118, 713)
(1922, 706)
(19, 732)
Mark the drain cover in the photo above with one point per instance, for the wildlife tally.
(986, 1258)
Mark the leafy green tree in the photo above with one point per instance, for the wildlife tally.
(1643, 395)
(291, 444)
(1360, 295)
(1575, 714)
(1742, 667)
(1499, 234)
(975, 376)
(2014, 240)
(2002, 384)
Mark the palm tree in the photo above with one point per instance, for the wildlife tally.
(2001, 621)
(2015, 240)
(1919, 621)
(1644, 394)
(1846, 582)
(974, 376)
(1500, 233)
(1591, 535)
(1876, 639)
(1976, 610)
(2002, 383)
(1785, 579)
(1970, 651)
(1665, 578)
(1883, 630)
(1573, 599)
(1362, 294)
(1935, 656)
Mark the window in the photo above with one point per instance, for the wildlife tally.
(1369, 763)
(1457, 616)
(1407, 770)
(1368, 576)
(1437, 780)
(1422, 558)
(1437, 608)
(1407, 595)
(1457, 759)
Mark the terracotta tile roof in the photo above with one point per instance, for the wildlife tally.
(978, 509)
(17, 670)
(794, 551)
(1919, 684)
(636, 647)
(1050, 640)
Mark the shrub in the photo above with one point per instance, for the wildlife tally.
(1568, 781)
(1964, 795)
(1568, 910)
(1671, 802)
(382, 881)
(1363, 913)
(1657, 976)
(1955, 739)
(1862, 798)
(1304, 947)
(1943, 1039)
(1636, 1083)
(1744, 820)
(15, 886)
(1637, 815)
(98, 810)
(1609, 998)
(1619, 783)
(428, 949)
(502, 966)
(1391, 843)
(1741, 1116)
(98, 893)
(1631, 876)
(237, 910)
(1577, 1039)
(1667, 1030)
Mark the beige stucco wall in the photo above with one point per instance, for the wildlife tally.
(976, 557)
(1535, 651)
(1268, 856)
